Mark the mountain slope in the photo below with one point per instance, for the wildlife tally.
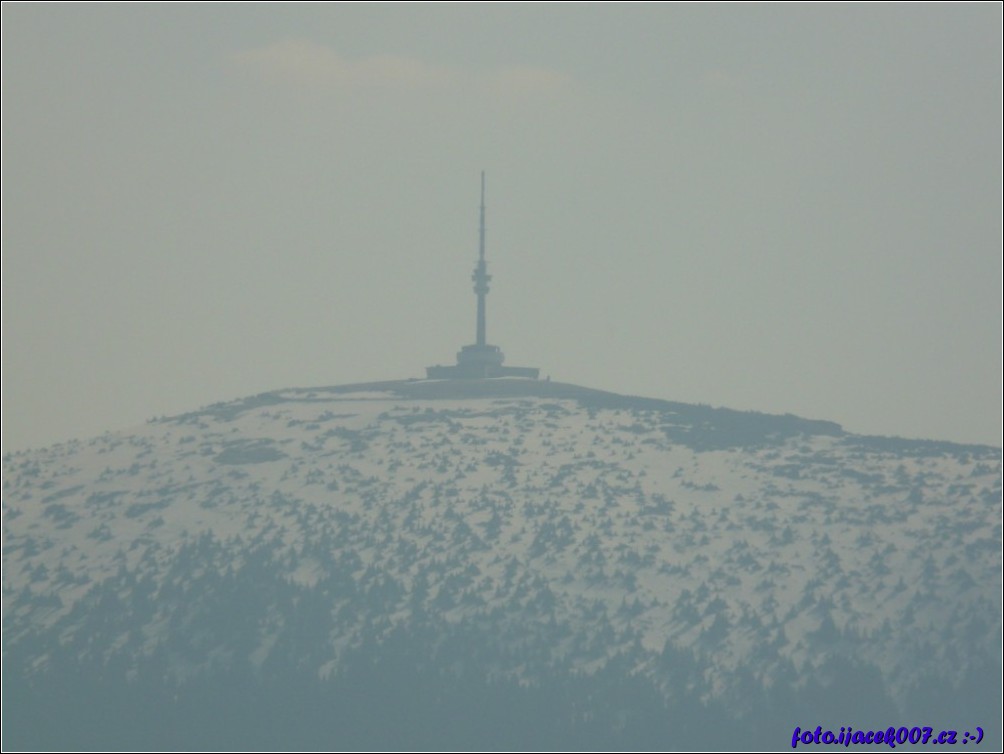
(494, 563)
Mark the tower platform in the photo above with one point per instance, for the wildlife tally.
(479, 362)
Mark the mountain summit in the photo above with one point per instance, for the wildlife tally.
(504, 563)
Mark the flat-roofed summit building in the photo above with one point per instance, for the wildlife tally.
(480, 360)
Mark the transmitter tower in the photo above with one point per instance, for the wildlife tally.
(480, 360)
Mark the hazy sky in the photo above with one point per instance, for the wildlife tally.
(784, 209)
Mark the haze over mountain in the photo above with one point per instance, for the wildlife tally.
(495, 563)
(789, 209)
(771, 207)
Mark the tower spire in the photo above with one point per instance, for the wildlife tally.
(481, 236)
(481, 276)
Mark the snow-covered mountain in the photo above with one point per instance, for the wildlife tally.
(495, 563)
